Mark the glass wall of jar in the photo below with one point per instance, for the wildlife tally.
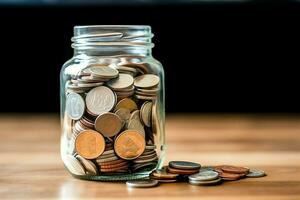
(112, 104)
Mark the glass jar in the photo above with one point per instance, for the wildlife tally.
(112, 104)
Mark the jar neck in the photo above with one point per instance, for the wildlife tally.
(112, 40)
(114, 51)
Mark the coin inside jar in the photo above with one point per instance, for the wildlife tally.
(109, 124)
(89, 144)
(127, 103)
(75, 106)
(100, 100)
(121, 82)
(129, 144)
(146, 81)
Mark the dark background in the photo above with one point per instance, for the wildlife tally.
(218, 57)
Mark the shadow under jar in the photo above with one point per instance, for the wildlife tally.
(112, 104)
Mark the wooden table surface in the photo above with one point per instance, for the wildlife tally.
(31, 167)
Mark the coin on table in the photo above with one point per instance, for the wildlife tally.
(100, 100)
(184, 165)
(204, 176)
(163, 174)
(126, 103)
(104, 71)
(255, 173)
(89, 144)
(121, 82)
(73, 165)
(146, 112)
(89, 166)
(109, 124)
(211, 182)
(129, 145)
(146, 81)
(182, 171)
(75, 106)
(142, 183)
(235, 169)
(230, 176)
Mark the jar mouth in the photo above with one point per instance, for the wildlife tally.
(95, 36)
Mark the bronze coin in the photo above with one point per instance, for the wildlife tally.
(114, 162)
(163, 174)
(89, 144)
(121, 164)
(230, 176)
(181, 171)
(109, 124)
(235, 169)
(129, 144)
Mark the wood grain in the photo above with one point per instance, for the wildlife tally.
(31, 167)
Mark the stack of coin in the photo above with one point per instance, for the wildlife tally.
(183, 167)
(146, 86)
(110, 124)
(146, 159)
(164, 176)
(231, 173)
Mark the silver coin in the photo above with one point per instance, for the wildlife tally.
(211, 182)
(104, 71)
(100, 100)
(75, 106)
(146, 81)
(255, 173)
(142, 183)
(89, 166)
(73, 165)
(184, 165)
(204, 176)
(121, 82)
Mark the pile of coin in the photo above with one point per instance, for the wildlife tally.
(195, 174)
(113, 111)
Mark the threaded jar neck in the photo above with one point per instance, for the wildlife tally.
(112, 39)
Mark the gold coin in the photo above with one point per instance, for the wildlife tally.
(109, 124)
(127, 103)
(89, 144)
(129, 145)
(146, 81)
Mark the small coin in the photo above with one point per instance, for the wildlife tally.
(104, 71)
(127, 103)
(89, 166)
(113, 162)
(124, 114)
(145, 97)
(75, 106)
(163, 174)
(255, 173)
(181, 171)
(129, 144)
(100, 100)
(109, 124)
(89, 144)
(204, 176)
(235, 169)
(118, 165)
(125, 167)
(211, 182)
(112, 158)
(146, 81)
(184, 165)
(230, 176)
(142, 183)
(73, 165)
(135, 124)
(121, 82)
(146, 112)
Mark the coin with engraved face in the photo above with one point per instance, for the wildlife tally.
(129, 145)
(100, 100)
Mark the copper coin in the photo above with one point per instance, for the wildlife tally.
(231, 176)
(89, 144)
(163, 174)
(181, 171)
(129, 145)
(109, 124)
(118, 165)
(114, 169)
(112, 162)
(235, 169)
(126, 103)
